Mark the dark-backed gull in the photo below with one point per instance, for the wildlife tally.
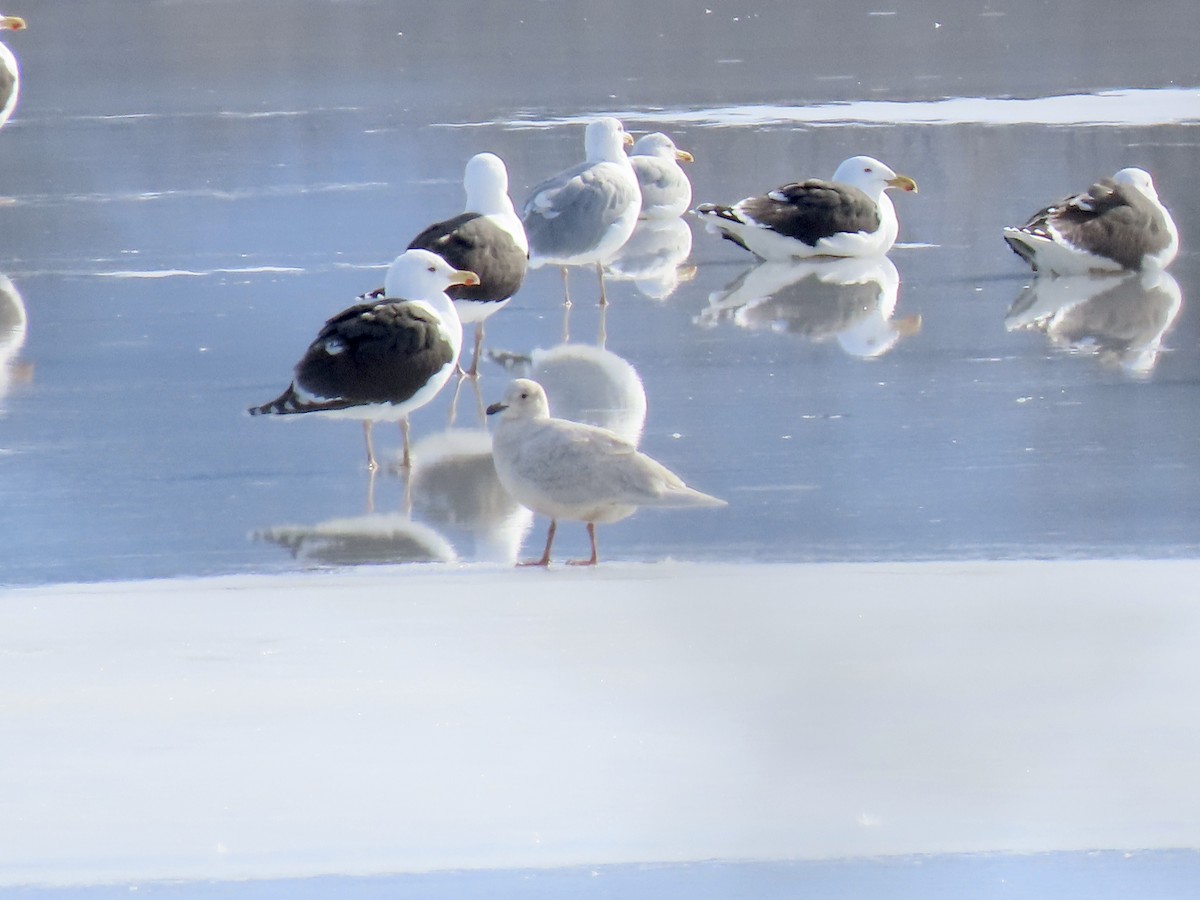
(487, 239)
(568, 470)
(1117, 224)
(851, 215)
(583, 215)
(380, 360)
(666, 191)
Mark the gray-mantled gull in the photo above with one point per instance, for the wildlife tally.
(583, 215)
(568, 470)
(1117, 224)
(666, 191)
(380, 360)
(848, 216)
(10, 72)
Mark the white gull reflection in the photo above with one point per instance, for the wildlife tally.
(653, 258)
(453, 484)
(1122, 319)
(586, 384)
(851, 301)
(13, 326)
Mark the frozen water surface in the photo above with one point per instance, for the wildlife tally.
(190, 189)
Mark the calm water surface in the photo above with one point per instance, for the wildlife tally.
(190, 189)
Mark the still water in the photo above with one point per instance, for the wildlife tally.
(190, 189)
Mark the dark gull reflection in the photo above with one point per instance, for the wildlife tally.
(373, 539)
(852, 301)
(1122, 319)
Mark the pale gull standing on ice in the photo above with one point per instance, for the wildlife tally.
(666, 191)
(380, 360)
(1118, 224)
(583, 215)
(848, 216)
(568, 470)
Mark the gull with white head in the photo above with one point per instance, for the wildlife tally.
(569, 470)
(1116, 225)
(850, 215)
(666, 191)
(383, 359)
(583, 215)
(487, 239)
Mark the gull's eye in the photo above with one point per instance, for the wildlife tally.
(868, 170)
(524, 396)
(431, 269)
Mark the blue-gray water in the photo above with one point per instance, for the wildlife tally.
(259, 158)
(1169, 875)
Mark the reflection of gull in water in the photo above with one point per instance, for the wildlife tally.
(589, 384)
(454, 485)
(851, 300)
(361, 540)
(1122, 318)
(653, 256)
(13, 323)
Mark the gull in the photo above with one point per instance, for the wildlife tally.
(383, 359)
(487, 239)
(851, 215)
(666, 191)
(583, 215)
(1118, 224)
(569, 470)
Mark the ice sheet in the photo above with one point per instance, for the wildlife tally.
(452, 717)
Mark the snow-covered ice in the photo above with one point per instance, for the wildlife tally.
(464, 717)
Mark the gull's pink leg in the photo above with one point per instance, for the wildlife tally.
(545, 560)
(591, 529)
